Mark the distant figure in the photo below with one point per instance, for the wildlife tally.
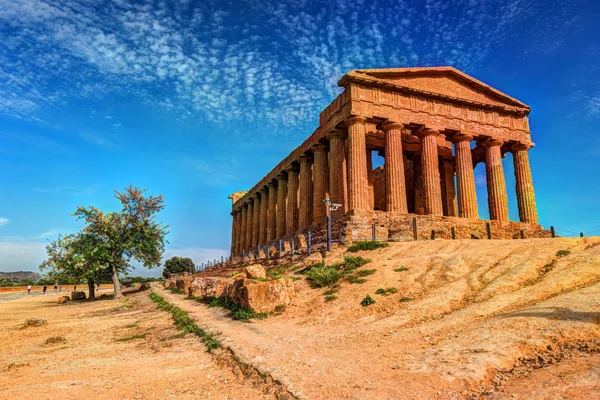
(28, 289)
(59, 287)
(44, 289)
(98, 287)
(74, 287)
(55, 285)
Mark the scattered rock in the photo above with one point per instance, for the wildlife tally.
(144, 286)
(63, 299)
(313, 259)
(263, 296)
(209, 287)
(184, 283)
(35, 322)
(255, 271)
(12, 366)
(56, 339)
(77, 295)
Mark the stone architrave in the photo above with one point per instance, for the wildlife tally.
(256, 220)
(264, 209)
(337, 171)
(358, 185)
(243, 227)
(431, 172)
(281, 203)
(305, 205)
(524, 183)
(319, 183)
(496, 184)
(249, 224)
(465, 177)
(291, 220)
(272, 212)
(395, 185)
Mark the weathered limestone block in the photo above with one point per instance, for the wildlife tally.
(313, 259)
(63, 299)
(209, 287)
(183, 283)
(255, 271)
(171, 283)
(264, 296)
(77, 295)
(144, 286)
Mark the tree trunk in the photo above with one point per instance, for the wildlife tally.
(116, 284)
(91, 284)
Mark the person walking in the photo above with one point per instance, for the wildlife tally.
(44, 289)
(55, 285)
(59, 287)
(28, 289)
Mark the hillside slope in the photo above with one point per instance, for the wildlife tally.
(467, 316)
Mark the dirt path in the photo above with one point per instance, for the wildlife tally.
(113, 350)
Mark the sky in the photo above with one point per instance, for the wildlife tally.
(197, 99)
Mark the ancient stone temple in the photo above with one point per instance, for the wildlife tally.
(432, 126)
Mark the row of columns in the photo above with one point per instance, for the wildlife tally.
(294, 200)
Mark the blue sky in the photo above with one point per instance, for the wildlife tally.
(195, 100)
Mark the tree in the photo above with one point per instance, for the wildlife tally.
(129, 234)
(177, 265)
(73, 258)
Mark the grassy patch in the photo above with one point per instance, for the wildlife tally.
(563, 253)
(365, 272)
(237, 312)
(401, 269)
(331, 291)
(367, 301)
(185, 323)
(132, 326)
(176, 290)
(353, 262)
(371, 245)
(134, 337)
(330, 297)
(404, 299)
(353, 279)
(387, 291)
(322, 276)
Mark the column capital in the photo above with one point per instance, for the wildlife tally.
(424, 132)
(319, 147)
(336, 134)
(292, 169)
(281, 177)
(355, 119)
(490, 142)
(250, 199)
(520, 146)
(460, 137)
(272, 184)
(263, 189)
(390, 125)
(304, 159)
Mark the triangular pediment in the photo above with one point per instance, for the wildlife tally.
(445, 81)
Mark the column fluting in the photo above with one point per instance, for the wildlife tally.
(524, 183)
(357, 164)
(465, 177)
(249, 224)
(272, 212)
(264, 207)
(233, 231)
(319, 183)
(395, 184)
(496, 184)
(256, 220)
(281, 203)
(291, 220)
(305, 204)
(337, 171)
(242, 244)
(431, 172)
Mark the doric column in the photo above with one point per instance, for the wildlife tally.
(256, 220)
(262, 224)
(465, 177)
(305, 205)
(395, 185)
(370, 178)
(319, 182)
(357, 164)
(281, 200)
(431, 172)
(272, 212)
(233, 231)
(496, 185)
(419, 191)
(291, 219)
(448, 192)
(243, 228)
(249, 224)
(337, 171)
(238, 239)
(525, 193)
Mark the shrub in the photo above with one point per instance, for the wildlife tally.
(391, 290)
(330, 297)
(405, 299)
(371, 245)
(365, 272)
(355, 279)
(401, 269)
(562, 253)
(329, 292)
(386, 292)
(322, 276)
(380, 291)
(237, 312)
(353, 262)
(367, 301)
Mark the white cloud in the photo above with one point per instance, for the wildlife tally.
(21, 256)
(51, 233)
(3, 221)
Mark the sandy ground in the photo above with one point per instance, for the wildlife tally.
(475, 308)
(101, 358)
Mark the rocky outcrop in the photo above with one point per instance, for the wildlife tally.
(255, 271)
(63, 299)
(77, 295)
(313, 259)
(35, 322)
(262, 296)
(209, 287)
(143, 287)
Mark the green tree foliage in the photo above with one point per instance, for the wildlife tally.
(177, 265)
(129, 234)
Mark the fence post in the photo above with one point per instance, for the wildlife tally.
(414, 225)
(293, 246)
(433, 234)
(373, 232)
(328, 233)
(552, 232)
(580, 234)
(489, 230)
(267, 249)
(308, 240)
(522, 234)
(279, 245)
(453, 233)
